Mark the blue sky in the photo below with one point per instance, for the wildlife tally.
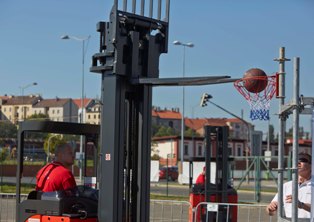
(230, 37)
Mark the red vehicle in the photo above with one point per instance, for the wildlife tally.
(172, 173)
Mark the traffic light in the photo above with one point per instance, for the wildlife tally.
(204, 99)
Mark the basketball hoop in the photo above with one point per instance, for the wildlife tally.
(259, 101)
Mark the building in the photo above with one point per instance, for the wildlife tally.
(18, 108)
(237, 128)
(168, 147)
(91, 111)
(168, 118)
(57, 109)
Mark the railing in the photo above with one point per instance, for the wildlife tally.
(170, 210)
(231, 212)
(8, 206)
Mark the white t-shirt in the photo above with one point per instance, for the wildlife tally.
(304, 196)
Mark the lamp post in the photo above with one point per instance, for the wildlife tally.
(248, 131)
(22, 88)
(81, 116)
(190, 45)
(48, 154)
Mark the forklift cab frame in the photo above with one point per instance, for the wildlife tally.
(33, 206)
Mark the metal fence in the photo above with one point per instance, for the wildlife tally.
(8, 206)
(170, 210)
(231, 212)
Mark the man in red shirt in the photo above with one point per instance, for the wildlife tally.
(201, 178)
(56, 176)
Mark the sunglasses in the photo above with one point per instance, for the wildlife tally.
(304, 160)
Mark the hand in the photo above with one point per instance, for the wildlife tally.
(288, 198)
(272, 208)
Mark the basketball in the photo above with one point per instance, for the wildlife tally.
(255, 80)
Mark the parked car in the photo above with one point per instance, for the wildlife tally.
(172, 173)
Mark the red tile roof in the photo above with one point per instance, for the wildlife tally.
(200, 123)
(166, 114)
(78, 102)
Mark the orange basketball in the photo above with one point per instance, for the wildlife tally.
(255, 80)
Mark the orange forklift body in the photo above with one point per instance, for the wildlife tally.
(40, 218)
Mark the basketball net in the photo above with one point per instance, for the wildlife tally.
(259, 102)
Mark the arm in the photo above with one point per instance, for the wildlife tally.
(304, 206)
(272, 208)
(301, 205)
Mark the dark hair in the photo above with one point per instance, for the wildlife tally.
(305, 158)
(61, 147)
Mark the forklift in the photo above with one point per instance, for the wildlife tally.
(217, 189)
(128, 62)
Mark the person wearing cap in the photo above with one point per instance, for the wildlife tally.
(304, 191)
(201, 178)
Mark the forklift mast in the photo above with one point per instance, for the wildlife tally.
(130, 46)
(128, 61)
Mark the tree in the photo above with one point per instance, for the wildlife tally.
(4, 153)
(8, 130)
(52, 141)
(301, 132)
(165, 131)
(39, 116)
(191, 133)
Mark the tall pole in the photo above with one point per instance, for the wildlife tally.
(295, 146)
(82, 110)
(282, 128)
(22, 94)
(191, 45)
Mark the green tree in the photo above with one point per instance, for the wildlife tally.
(8, 130)
(165, 131)
(191, 133)
(4, 153)
(51, 141)
(39, 116)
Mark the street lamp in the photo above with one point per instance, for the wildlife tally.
(48, 154)
(22, 88)
(190, 45)
(81, 116)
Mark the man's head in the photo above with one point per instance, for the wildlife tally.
(64, 154)
(304, 165)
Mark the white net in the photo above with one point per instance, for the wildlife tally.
(259, 102)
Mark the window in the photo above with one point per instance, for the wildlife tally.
(230, 149)
(58, 111)
(239, 150)
(199, 150)
(88, 116)
(186, 150)
(170, 124)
